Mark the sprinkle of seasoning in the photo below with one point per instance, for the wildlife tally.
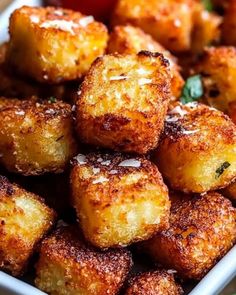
(52, 99)
(221, 169)
(193, 89)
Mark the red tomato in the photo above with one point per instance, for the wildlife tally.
(100, 9)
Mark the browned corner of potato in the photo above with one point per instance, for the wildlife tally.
(67, 265)
(119, 199)
(168, 22)
(217, 67)
(154, 282)
(35, 137)
(197, 150)
(24, 219)
(53, 45)
(128, 39)
(123, 101)
(202, 229)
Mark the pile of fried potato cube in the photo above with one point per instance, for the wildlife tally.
(117, 144)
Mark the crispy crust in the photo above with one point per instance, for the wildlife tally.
(202, 229)
(196, 142)
(128, 39)
(123, 101)
(87, 270)
(173, 17)
(36, 137)
(118, 204)
(217, 67)
(39, 37)
(20, 228)
(159, 282)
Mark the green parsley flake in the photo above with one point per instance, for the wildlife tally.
(52, 99)
(208, 5)
(221, 169)
(193, 89)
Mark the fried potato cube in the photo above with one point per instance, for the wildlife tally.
(68, 266)
(230, 191)
(24, 219)
(123, 102)
(197, 151)
(218, 69)
(206, 29)
(128, 39)
(119, 199)
(159, 282)
(53, 45)
(170, 22)
(12, 85)
(35, 137)
(202, 229)
(229, 24)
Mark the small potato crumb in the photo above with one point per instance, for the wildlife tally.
(24, 220)
(123, 101)
(159, 282)
(52, 45)
(68, 266)
(197, 150)
(119, 199)
(128, 39)
(202, 230)
(35, 137)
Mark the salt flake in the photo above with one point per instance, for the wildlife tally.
(130, 163)
(81, 159)
(100, 180)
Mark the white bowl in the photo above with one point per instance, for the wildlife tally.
(211, 284)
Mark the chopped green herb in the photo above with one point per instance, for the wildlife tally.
(221, 169)
(193, 89)
(52, 99)
(208, 5)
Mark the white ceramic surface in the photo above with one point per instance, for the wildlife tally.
(211, 284)
(4, 17)
(13, 286)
